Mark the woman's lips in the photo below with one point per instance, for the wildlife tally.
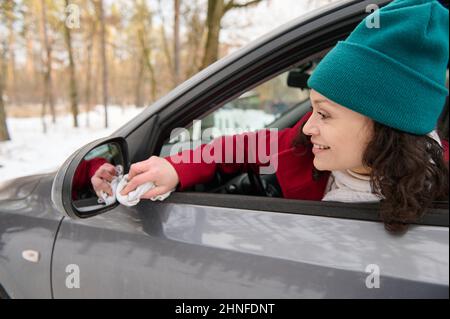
(318, 150)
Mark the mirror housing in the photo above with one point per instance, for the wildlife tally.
(63, 182)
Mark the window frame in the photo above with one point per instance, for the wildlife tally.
(437, 215)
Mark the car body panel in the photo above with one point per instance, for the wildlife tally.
(159, 250)
(18, 188)
(30, 223)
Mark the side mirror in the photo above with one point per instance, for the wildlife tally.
(72, 191)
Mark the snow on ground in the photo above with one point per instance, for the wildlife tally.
(30, 151)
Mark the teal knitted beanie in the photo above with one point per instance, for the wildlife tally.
(395, 73)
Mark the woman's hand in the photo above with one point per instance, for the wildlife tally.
(155, 169)
(102, 179)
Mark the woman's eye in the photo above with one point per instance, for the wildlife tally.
(322, 115)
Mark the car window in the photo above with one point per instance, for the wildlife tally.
(253, 110)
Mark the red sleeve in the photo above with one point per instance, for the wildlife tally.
(234, 156)
(94, 165)
(84, 173)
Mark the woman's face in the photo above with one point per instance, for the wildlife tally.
(344, 131)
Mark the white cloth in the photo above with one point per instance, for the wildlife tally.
(133, 197)
(348, 186)
(119, 182)
(111, 199)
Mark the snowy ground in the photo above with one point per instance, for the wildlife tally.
(30, 151)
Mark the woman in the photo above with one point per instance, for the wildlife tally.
(376, 98)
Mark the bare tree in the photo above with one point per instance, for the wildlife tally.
(216, 11)
(4, 134)
(29, 87)
(165, 44)
(5, 9)
(176, 41)
(144, 26)
(101, 18)
(73, 82)
(47, 61)
(140, 61)
(12, 76)
(89, 49)
(194, 38)
(138, 84)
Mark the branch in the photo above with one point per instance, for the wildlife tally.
(231, 4)
(228, 6)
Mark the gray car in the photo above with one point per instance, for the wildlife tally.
(233, 237)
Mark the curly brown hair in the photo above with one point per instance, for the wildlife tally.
(408, 171)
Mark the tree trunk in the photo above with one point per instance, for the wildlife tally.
(89, 50)
(165, 44)
(146, 52)
(216, 11)
(138, 85)
(31, 73)
(73, 83)
(176, 41)
(48, 66)
(101, 17)
(96, 76)
(144, 17)
(213, 20)
(29, 64)
(4, 133)
(14, 98)
(194, 42)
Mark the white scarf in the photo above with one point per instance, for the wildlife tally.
(348, 186)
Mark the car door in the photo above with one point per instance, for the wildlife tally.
(199, 245)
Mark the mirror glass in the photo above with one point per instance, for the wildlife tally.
(95, 177)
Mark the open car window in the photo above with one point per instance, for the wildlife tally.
(253, 110)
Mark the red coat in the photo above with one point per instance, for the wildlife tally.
(84, 173)
(294, 171)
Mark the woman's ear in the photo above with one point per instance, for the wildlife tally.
(369, 127)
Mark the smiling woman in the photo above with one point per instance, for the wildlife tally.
(384, 112)
(407, 172)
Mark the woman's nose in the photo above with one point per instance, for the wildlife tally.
(310, 128)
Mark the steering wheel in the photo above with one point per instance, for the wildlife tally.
(249, 183)
(256, 181)
(265, 185)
